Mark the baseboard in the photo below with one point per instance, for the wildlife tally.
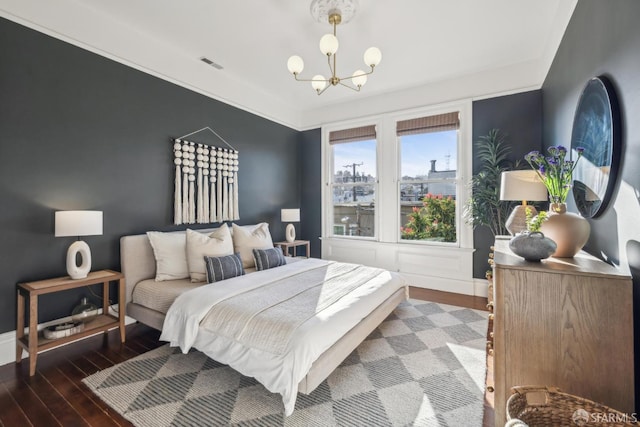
(8, 339)
(481, 288)
(465, 287)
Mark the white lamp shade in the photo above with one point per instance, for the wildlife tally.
(295, 64)
(329, 44)
(522, 185)
(359, 78)
(78, 223)
(290, 215)
(318, 82)
(372, 56)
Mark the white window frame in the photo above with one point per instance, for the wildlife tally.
(459, 181)
(387, 206)
(328, 172)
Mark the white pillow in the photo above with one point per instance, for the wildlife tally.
(246, 239)
(199, 245)
(169, 251)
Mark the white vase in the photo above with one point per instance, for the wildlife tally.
(570, 231)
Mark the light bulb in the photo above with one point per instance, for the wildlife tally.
(329, 44)
(372, 56)
(295, 64)
(318, 82)
(359, 78)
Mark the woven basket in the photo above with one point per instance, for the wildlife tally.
(562, 409)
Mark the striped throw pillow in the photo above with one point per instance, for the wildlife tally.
(223, 267)
(268, 258)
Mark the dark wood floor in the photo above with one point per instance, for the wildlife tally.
(55, 395)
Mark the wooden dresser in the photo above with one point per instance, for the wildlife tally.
(564, 322)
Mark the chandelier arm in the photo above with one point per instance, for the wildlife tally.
(335, 69)
(351, 87)
(332, 70)
(309, 80)
(325, 88)
(359, 75)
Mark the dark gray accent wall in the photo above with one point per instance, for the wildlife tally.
(603, 38)
(310, 173)
(519, 118)
(79, 131)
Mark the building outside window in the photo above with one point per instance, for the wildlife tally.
(428, 181)
(354, 181)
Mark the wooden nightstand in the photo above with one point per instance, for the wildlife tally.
(35, 343)
(286, 245)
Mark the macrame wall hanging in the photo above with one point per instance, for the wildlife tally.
(206, 182)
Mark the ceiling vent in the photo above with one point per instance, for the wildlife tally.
(210, 62)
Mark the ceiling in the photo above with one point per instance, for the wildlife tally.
(432, 50)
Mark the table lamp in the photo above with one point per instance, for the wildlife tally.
(78, 223)
(521, 185)
(290, 215)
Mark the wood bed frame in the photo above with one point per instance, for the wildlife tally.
(138, 263)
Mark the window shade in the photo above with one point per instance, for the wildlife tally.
(441, 122)
(354, 134)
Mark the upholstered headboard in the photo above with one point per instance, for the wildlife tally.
(137, 259)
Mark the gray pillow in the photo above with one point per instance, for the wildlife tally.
(223, 267)
(268, 258)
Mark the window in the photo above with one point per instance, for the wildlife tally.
(353, 182)
(377, 172)
(428, 179)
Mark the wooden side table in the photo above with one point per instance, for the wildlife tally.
(35, 343)
(286, 245)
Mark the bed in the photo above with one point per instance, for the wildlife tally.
(299, 353)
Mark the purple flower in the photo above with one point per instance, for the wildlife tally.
(554, 170)
(532, 156)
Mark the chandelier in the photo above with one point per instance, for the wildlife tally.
(336, 12)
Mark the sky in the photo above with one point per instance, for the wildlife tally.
(416, 153)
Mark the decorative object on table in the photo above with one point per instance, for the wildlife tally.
(558, 409)
(62, 330)
(206, 181)
(334, 12)
(597, 128)
(570, 231)
(84, 312)
(523, 185)
(531, 244)
(78, 223)
(290, 215)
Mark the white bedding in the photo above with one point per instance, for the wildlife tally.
(282, 362)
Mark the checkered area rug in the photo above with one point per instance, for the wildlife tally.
(424, 365)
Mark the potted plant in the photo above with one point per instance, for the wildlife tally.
(570, 231)
(555, 172)
(485, 208)
(534, 222)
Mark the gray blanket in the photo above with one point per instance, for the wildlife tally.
(266, 317)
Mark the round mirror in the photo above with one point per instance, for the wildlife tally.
(596, 128)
